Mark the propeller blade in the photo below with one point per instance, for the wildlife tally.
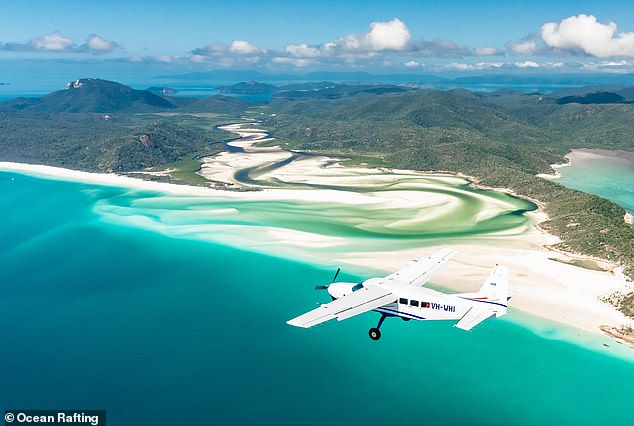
(336, 274)
(321, 287)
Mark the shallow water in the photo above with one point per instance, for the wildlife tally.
(161, 329)
(609, 174)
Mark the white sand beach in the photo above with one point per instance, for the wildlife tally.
(541, 286)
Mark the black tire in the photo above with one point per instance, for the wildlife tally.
(375, 334)
(405, 319)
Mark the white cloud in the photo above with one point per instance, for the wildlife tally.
(392, 35)
(614, 63)
(298, 62)
(385, 44)
(483, 65)
(487, 51)
(242, 47)
(96, 44)
(528, 47)
(460, 66)
(57, 43)
(382, 36)
(413, 64)
(302, 51)
(52, 43)
(577, 35)
(584, 34)
(237, 49)
(527, 64)
(607, 66)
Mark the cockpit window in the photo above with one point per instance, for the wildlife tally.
(413, 302)
(357, 287)
(402, 301)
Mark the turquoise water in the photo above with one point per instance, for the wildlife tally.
(599, 172)
(163, 330)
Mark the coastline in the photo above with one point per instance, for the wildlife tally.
(552, 290)
(555, 174)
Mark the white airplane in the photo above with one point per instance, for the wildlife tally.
(402, 294)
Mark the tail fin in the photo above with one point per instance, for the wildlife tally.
(496, 287)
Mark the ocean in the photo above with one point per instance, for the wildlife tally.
(160, 328)
(609, 174)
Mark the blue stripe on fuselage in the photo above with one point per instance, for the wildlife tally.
(398, 313)
(485, 301)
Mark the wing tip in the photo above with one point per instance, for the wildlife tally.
(295, 323)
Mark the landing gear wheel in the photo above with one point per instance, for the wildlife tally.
(375, 334)
(405, 319)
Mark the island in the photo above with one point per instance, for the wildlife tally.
(468, 146)
(248, 88)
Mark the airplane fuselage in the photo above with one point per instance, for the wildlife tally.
(415, 303)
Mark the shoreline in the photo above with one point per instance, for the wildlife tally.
(552, 298)
(555, 174)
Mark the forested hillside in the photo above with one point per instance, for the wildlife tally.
(503, 139)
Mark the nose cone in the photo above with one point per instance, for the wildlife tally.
(337, 290)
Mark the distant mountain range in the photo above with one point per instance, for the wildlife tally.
(232, 76)
(500, 80)
(319, 90)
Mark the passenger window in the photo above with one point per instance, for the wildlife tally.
(413, 302)
(424, 304)
(402, 301)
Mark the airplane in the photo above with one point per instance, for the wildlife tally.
(401, 294)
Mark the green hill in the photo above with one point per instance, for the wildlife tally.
(326, 90)
(503, 139)
(100, 125)
(217, 104)
(248, 88)
(92, 95)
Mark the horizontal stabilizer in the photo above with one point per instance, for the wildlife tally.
(473, 317)
(363, 300)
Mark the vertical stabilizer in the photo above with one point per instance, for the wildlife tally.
(496, 287)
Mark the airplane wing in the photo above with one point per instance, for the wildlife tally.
(421, 271)
(362, 300)
(473, 317)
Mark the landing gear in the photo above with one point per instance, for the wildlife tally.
(375, 333)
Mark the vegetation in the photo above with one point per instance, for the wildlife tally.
(251, 87)
(90, 142)
(99, 125)
(92, 95)
(502, 139)
(328, 90)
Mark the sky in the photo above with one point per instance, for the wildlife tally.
(393, 36)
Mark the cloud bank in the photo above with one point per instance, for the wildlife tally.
(388, 43)
(383, 41)
(57, 43)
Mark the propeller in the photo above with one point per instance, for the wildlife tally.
(325, 287)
